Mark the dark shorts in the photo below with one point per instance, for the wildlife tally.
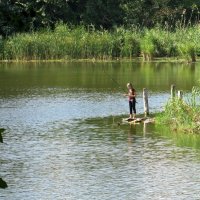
(132, 106)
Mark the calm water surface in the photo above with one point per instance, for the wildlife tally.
(63, 141)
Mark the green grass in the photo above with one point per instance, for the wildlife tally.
(183, 115)
(79, 42)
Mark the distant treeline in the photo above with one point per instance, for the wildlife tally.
(79, 42)
(24, 16)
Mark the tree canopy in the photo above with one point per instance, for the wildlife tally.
(27, 15)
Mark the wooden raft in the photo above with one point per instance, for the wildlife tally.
(145, 120)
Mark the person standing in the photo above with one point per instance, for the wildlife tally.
(132, 100)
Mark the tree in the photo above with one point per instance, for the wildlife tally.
(26, 15)
(151, 12)
(22, 15)
(103, 13)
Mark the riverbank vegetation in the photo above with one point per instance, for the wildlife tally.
(183, 114)
(46, 30)
(78, 42)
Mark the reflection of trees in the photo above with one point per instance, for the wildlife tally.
(159, 75)
(179, 138)
(155, 76)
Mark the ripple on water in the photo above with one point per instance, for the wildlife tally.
(52, 156)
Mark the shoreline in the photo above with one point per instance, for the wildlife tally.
(63, 44)
(111, 60)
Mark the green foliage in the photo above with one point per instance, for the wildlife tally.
(24, 16)
(1, 48)
(182, 42)
(21, 15)
(158, 42)
(63, 43)
(188, 42)
(148, 13)
(103, 13)
(70, 42)
(131, 43)
(183, 115)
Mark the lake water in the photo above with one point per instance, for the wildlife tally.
(63, 139)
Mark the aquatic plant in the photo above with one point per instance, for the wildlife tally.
(183, 114)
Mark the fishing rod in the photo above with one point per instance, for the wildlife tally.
(118, 84)
(114, 81)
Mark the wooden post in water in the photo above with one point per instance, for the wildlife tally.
(173, 91)
(146, 103)
(180, 94)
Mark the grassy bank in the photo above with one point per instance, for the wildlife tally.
(81, 43)
(183, 114)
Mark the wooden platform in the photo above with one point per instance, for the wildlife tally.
(138, 120)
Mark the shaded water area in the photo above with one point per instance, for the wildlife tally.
(63, 139)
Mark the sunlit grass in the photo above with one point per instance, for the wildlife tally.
(79, 42)
(183, 115)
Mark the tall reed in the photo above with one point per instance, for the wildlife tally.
(131, 43)
(188, 42)
(1, 48)
(81, 42)
(158, 42)
(183, 115)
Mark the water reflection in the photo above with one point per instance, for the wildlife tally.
(57, 151)
(141, 159)
(83, 159)
(18, 78)
(180, 139)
